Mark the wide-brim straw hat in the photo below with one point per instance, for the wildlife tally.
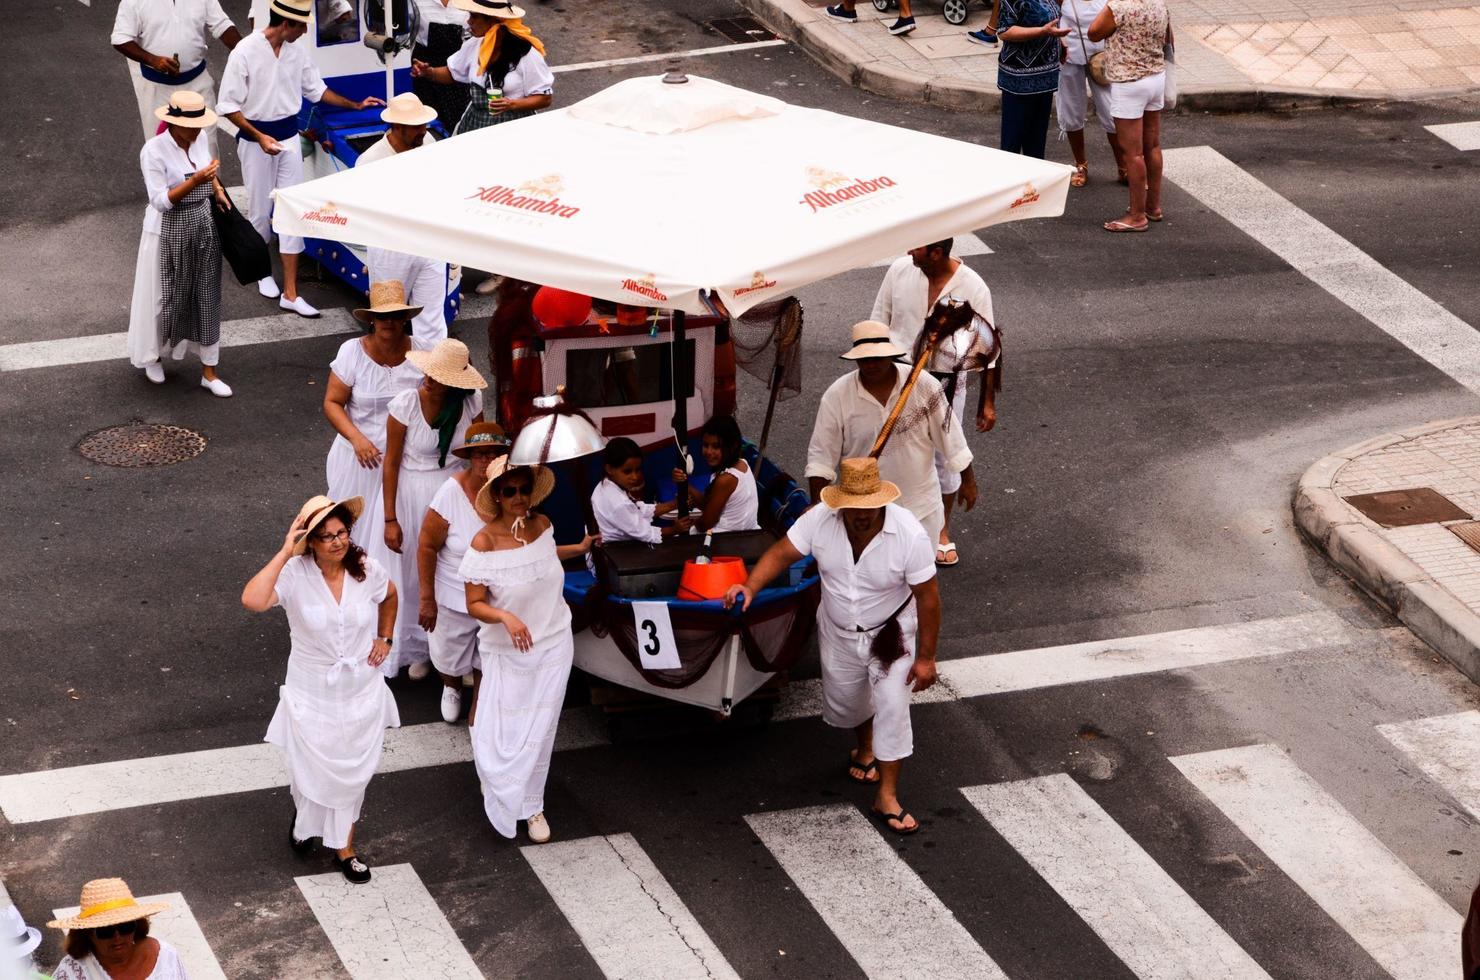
(407, 110)
(859, 486)
(489, 8)
(187, 109)
(107, 902)
(480, 435)
(17, 940)
(448, 363)
(387, 296)
(299, 10)
(486, 504)
(320, 507)
(871, 339)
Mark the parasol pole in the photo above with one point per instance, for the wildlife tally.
(680, 375)
(390, 57)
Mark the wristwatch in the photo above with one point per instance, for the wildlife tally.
(388, 641)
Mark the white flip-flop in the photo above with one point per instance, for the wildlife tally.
(941, 549)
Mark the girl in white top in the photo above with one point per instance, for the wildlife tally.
(334, 707)
(515, 589)
(730, 502)
(503, 65)
(617, 505)
(423, 425)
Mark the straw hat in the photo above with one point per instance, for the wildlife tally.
(478, 435)
(407, 110)
(387, 296)
(489, 8)
(448, 363)
(299, 10)
(320, 507)
(107, 902)
(871, 339)
(486, 504)
(187, 109)
(17, 940)
(859, 486)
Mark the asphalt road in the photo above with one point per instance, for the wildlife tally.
(1163, 393)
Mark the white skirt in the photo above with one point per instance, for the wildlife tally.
(144, 339)
(514, 732)
(414, 493)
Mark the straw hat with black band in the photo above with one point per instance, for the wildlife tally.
(448, 363)
(299, 10)
(387, 298)
(107, 902)
(871, 339)
(320, 507)
(859, 486)
(187, 109)
(543, 482)
(481, 435)
(489, 8)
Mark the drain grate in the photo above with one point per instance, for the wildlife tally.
(741, 30)
(142, 444)
(1404, 508)
(1468, 532)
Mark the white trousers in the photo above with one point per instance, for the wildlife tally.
(145, 338)
(152, 95)
(262, 174)
(454, 643)
(1072, 104)
(950, 480)
(426, 286)
(856, 687)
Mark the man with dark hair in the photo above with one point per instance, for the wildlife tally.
(167, 43)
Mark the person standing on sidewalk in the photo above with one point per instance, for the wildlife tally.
(266, 80)
(1137, 30)
(844, 12)
(1077, 88)
(167, 43)
(987, 35)
(1028, 72)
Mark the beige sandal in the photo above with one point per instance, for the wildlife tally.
(1081, 175)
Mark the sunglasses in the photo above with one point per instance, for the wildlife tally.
(520, 489)
(122, 929)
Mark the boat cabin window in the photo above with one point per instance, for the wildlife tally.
(337, 21)
(603, 377)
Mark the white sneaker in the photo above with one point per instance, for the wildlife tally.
(216, 387)
(451, 704)
(487, 286)
(154, 371)
(268, 287)
(300, 306)
(539, 830)
(419, 671)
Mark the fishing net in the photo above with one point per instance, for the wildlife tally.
(768, 344)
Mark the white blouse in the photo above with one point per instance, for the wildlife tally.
(528, 582)
(167, 966)
(165, 165)
(620, 518)
(420, 452)
(463, 524)
(531, 76)
(741, 509)
(265, 86)
(372, 385)
(330, 638)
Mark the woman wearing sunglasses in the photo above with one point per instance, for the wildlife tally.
(109, 937)
(514, 589)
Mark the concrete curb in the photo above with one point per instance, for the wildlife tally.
(1385, 573)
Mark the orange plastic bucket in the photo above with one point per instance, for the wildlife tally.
(711, 581)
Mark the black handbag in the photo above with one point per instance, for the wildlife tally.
(241, 246)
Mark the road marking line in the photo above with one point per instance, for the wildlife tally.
(888, 920)
(628, 916)
(51, 794)
(691, 53)
(1410, 931)
(1462, 136)
(389, 927)
(177, 926)
(1110, 881)
(1447, 749)
(1330, 261)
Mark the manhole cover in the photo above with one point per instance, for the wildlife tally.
(142, 444)
(741, 30)
(1403, 508)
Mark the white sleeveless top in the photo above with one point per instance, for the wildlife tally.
(463, 524)
(529, 583)
(372, 385)
(740, 513)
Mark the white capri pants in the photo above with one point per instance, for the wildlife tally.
(152, 95)
(856, 687)
(1075, 91)
(262, 174)
(1132, 100)
(426, 286)
(454, 643)
(950, 480)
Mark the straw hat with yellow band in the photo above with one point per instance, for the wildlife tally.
(481, 435)
(187, 109)
(320, 507)
(509, 16)
(487, 503)
(299, 10)
(859, 486)
(107, 902)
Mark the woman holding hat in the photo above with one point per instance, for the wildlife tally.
(177, 279)
(502, 65)
(334, 707)
(109, 937)
(422, 426)
(446, 532)
(515, 588)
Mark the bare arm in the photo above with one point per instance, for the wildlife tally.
(395, 444)
(1104, 24)
(777, 559)
(481, 607)
(1018, 33)
(428, 547)
(336, 401)
(815, 485)
(230, 37)
(385, 625)
(133, 51)
(927, 633)
(335, 99)
(715, 497)
(260, 590)
(440, 75)
(986, 403)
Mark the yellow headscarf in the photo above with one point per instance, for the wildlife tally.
(489, 47)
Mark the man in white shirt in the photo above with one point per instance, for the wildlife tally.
(425, 279)
(852, 414)
(910, 290)
(877, 624)
(166, 40)
(266, 80)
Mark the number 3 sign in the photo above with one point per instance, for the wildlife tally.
(656, 648)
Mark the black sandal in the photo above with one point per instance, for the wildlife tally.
(355, 871)
(872, 766)
(884, 819)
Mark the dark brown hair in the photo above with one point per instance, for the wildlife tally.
(79, 941)
(354, 556)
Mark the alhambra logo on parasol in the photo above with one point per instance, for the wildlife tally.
(830, 188)
(538, 196)
(758, 282)
(646, 287)
(326, 215)
(1029, 196)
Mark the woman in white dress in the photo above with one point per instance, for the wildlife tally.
(514, 588)
(422, 427)
(447, 530)
(109, 938)
(334, 707)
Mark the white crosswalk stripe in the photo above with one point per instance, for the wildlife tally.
(628, 916)
(1110, 881)
(389, 928)
(1410, 931)
(1447, 749)
(176, 925)
(844, 868)
(1463, 136)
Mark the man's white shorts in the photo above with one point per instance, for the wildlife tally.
(454, 643)
(1132, 100)
(856, 687)
(950, 480)
(1075, 91)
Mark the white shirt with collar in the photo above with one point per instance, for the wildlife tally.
(266, 86)
(170, 27)
(866, 592)
(620, 518)
(381, 149)
(531, 76)
(166, 165)
(902, 304)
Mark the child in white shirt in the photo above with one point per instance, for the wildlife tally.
(621, 515)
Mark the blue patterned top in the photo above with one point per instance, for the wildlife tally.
(1028, 67)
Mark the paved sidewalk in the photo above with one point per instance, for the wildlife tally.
(1231, 54)
(1422, 570)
